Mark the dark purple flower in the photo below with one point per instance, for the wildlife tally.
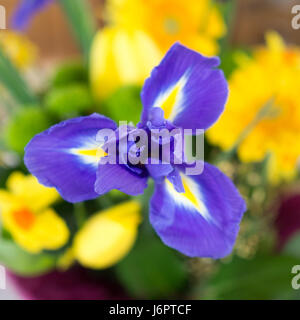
(74, 284)
(287, 222)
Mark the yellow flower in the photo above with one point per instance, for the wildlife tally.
(139, 32)
(18, 48)
(25, 214)
(264, 107)
(107, 236)
(121, 57)
(196, 24)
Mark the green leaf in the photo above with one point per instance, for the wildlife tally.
(13, 82)
(124, 104)
(82, 21)
(23, 263)
(264, 277)
(152, 270)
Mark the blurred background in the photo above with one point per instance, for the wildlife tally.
(266, 172)
(252, 19)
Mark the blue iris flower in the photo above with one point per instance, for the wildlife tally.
(25, 11)
(198, 215)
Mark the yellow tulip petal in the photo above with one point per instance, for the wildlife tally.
(108, 236)
(120, 57)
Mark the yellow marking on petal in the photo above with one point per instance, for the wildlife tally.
(93, 153)
(170, 101)
(189, 194)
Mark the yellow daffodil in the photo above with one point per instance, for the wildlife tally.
(121, 57)
(264, 109)
(107, 236)
(18, 48)
(139, 32)
(25, 214)
(197, 25)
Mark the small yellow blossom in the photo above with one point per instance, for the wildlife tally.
(18, 48)
(264, 107)
(107, 236)
(25, 214)
(197, 24)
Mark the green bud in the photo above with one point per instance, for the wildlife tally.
(124, 104)
(24, 125)
(69, 101)
(68, 73)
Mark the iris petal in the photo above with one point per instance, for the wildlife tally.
(64, 156)
(118, 176)
(204, 220)
(188, 87)
(25, 12)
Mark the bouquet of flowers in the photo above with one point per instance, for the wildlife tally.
(105, 193)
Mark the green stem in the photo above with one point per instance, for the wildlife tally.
(80, 214)
(13, 81)
(229, 12)
(82, 22)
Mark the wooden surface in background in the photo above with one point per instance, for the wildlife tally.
(255, 17)
(50, 30)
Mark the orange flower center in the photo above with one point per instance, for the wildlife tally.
(24, 218)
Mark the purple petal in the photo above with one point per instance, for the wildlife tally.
(118, 176)
(25, 12)
(188, 87)
(175, 178)
(59, 157)
(159, 171)
(203, 221)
